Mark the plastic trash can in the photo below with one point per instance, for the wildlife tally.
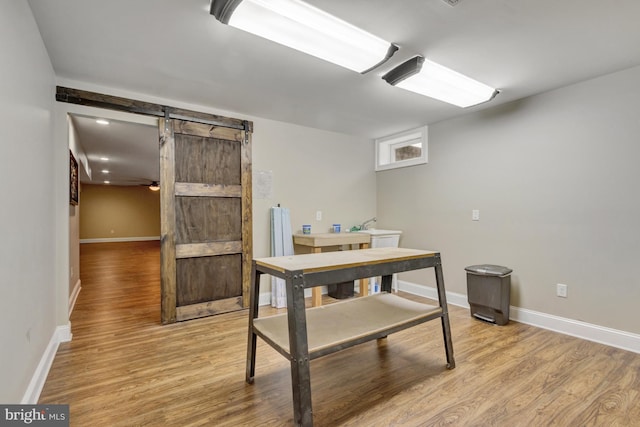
(488, 292)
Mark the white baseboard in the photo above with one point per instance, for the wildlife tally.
(453, 298)
(61, 334)
(590, 332)
(74, 296)
(64, 333)
(120, 239)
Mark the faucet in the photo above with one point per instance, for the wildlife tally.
(365, 225)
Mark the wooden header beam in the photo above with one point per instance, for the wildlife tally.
(94, 99)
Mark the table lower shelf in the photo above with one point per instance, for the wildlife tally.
(346, 323)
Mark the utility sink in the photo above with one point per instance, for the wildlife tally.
(382, 239)
(380, 232)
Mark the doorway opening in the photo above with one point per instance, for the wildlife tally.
(118, 161)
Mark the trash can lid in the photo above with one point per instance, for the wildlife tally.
(488, 270)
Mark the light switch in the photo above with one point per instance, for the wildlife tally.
(475, 215)
(318, 215)
(561, 290)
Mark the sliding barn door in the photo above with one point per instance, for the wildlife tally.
(205, 182)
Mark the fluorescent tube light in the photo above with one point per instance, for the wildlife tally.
(436, 81)
(298, 25)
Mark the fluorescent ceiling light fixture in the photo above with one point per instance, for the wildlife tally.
(435, 81)
(298, 25)
(102, 122)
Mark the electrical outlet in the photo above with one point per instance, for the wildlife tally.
(318, 215)
(561, 290)
(475, 215)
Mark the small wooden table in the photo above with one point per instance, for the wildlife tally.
(301, 335)
(317, 241)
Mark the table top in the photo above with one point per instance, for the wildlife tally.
(317, 240)
(324, 261)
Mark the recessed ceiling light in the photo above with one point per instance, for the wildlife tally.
(105, 171)
(104, 159)
(102, 122)
(107, 182)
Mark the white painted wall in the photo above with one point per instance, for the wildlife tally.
(312, 170)
(74, 214)
(555, 178)
(27, 291)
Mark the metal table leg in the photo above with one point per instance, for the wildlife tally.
(253, 313)
(446, 327)
(299, 348)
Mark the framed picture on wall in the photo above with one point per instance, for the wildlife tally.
(73, 180)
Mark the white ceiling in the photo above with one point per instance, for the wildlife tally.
(131, 150)
(175, 49)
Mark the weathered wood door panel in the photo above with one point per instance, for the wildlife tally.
(206, 219)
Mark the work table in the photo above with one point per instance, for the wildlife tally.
(302, 335)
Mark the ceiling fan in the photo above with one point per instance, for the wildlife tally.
(153, 185)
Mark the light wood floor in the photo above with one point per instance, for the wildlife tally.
(125, 369)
